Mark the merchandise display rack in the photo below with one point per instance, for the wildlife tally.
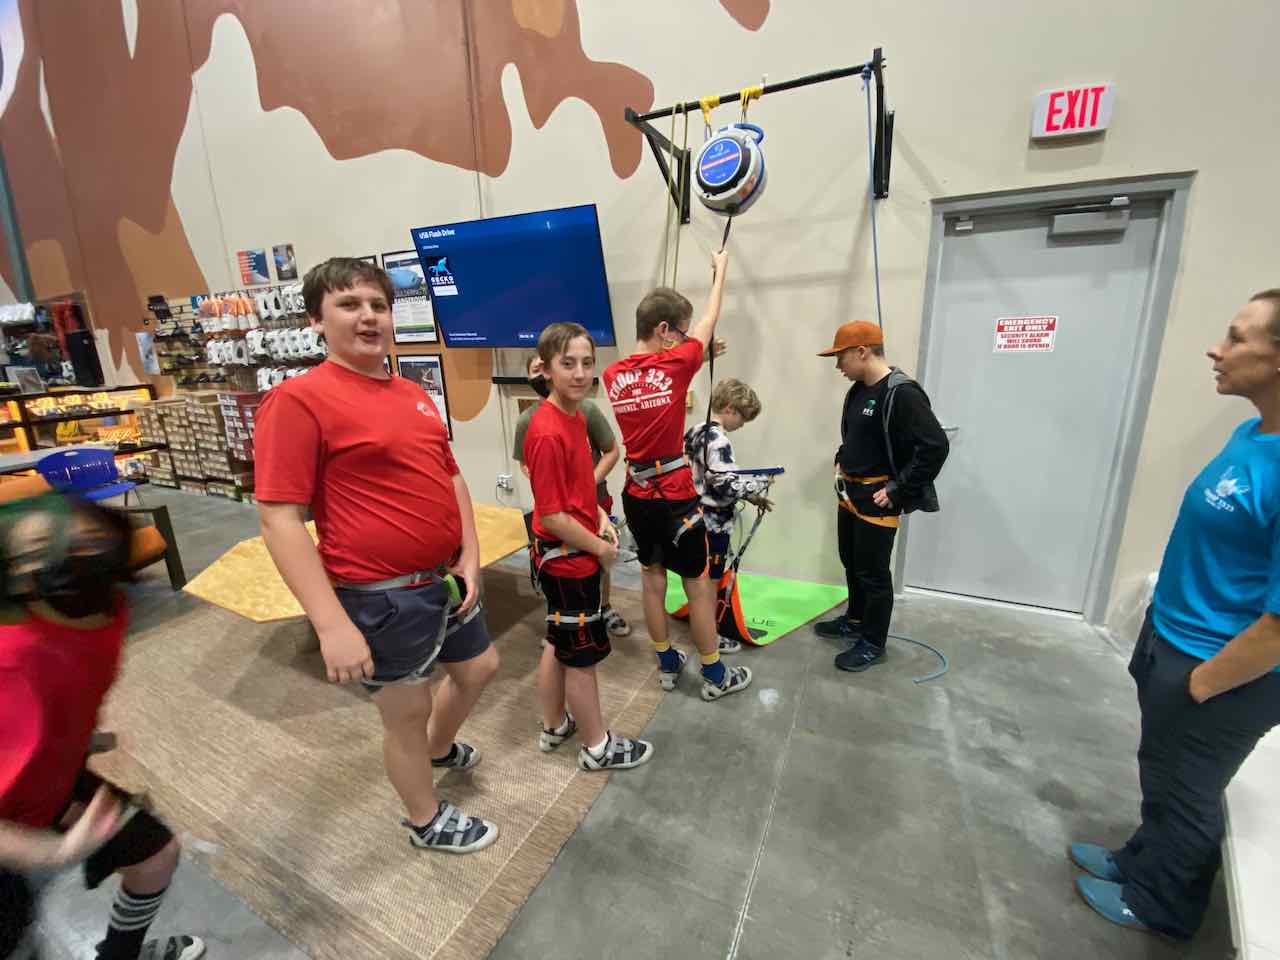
(182, 343)
(29, 426)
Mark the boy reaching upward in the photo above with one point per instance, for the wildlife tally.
(648, 391)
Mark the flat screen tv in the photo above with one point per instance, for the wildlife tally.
(499, 282)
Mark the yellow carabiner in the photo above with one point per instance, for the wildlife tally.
(708, 104)
(747, 94)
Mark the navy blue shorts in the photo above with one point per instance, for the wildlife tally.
(408, 629)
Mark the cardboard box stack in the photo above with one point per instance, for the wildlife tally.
(182, 443)
(238, 411)
(226, 474)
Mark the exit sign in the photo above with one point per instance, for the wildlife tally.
(1066, 111)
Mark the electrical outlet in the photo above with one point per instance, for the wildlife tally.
(505, 482)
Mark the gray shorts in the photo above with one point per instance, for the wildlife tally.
(410, 628)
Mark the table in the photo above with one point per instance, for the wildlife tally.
(28, 459)
(1251, 852)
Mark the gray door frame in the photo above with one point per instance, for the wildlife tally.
(1174, 189)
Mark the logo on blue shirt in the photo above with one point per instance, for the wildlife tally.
(1227, 486)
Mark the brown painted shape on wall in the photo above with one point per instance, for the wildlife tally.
(541, 16)
(119, 119)
(369, 76)
(50, 274)
(35, 173)
(750, 13)
(468, 375)
(551, 69)
(159, 260)
(393, 74)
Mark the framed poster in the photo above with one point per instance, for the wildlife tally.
(427, 371)
(253, 266)
(412, 318)
(286, 262)
(371, 258)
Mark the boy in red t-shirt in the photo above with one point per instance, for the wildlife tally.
(62, 624)
(368, 455)
(573, 541)
(648, 390)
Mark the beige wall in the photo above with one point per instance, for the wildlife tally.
(961, 77)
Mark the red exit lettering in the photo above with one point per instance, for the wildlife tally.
(1071, 109)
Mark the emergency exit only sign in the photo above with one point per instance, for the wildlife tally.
(1025, 334)
(1067, 111)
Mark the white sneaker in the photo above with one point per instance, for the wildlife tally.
(727, 645)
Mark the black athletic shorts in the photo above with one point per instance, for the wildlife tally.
(17, 912)
(576, 644)
(665, 535)
(141, 837)
(408, 629)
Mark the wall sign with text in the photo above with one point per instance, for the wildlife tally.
(1068, 111)
(1026, 334)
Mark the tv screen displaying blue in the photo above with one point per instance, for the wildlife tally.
(499, 282)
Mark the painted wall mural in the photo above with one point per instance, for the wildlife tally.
(93, 177)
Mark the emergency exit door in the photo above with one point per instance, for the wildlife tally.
(1031, 349)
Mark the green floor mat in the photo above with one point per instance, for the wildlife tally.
(773, 607)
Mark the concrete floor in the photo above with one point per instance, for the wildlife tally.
(819, 815)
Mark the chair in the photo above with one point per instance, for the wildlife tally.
(88, 472)
(150, 544)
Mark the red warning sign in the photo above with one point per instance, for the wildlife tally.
(1026, 334)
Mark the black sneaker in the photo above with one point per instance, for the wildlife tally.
(860, 656)
(451, 831)
(841, 628)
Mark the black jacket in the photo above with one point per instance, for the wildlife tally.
(916, 442)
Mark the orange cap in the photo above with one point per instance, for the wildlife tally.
(855, 333)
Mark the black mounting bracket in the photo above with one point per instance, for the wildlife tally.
(662, 149)
(882, 150)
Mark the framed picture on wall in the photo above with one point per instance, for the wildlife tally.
(413, 319)
(371, 258)
(427, 371)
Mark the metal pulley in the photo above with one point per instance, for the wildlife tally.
(730, 170)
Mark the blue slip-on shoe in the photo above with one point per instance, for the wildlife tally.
(1106, 899)
(1097, 860)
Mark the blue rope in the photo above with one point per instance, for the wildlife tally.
(871, 192)
(946, 664)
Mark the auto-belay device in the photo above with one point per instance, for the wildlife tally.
(730, 169)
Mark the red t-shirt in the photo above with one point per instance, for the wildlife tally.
(558, 455)
(648, 393)
(53, 679)
(372, 460)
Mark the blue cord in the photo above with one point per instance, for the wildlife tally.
(946, 664)
(871, 193)
(875, 253)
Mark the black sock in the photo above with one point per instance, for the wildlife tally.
(422, 830)
(453, 752)
(131, 916)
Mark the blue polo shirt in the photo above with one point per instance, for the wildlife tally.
(1221, 568)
